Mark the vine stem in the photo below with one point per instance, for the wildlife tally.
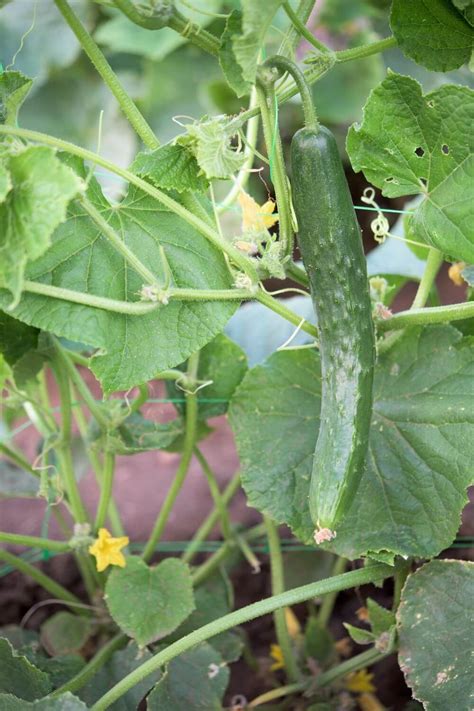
(135, 308)
(200, 225)
(360, 661)
(328, 602)
(54, 588)
(128, 107)
(92, 666)
(284, 312)
(189, 442)
(286, 65)
(118, 243)
(366, 50)
(303, 12)
(422, 317)
(370, 574)
(302, 29)
(278, 587)
(211, 520)
(215, 493)
(265, 94)
(433, 264)
(106, 486)
(35, 542)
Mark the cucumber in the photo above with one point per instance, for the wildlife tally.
(331, 247)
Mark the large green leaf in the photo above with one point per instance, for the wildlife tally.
(149, 603)
(119, 665)
(132, 349)
(436, 633)
(432, 33)
(64, 633)
(412, 144)
(195, 681)
(421, 444)
(19, 677)
(14, 87)
(65, 702)
(41, 188)
(16, 338)
(172, 167)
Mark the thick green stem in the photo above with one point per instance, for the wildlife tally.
(278, 587)
(18, 459)
(212, 563)
(360, 661)
(303, 30)
(54, 588)
(63, 449)
(433, 264)
(217, 497)
(189, 442)
(286, 65)
(328, 602)
(293, 271)
(106, 485)
(108, 75)
(92, 667)
(370, 574)
(211, 520)
(422, 317)
(277, 165)
(200, 225)
(365, 50)
(279, 308)
(135, 308)
(46, 544)
(118, 243)
(303, 12)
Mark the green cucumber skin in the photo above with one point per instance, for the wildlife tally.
(331, 247)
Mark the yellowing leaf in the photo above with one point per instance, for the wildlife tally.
(255, 217)
(292, 623)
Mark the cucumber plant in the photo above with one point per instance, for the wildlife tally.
(353, 419)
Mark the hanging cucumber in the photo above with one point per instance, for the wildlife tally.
(331, 247)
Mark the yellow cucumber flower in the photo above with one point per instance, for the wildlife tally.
(107, 550)
(360, 682)
(256, 218)
(277, 655)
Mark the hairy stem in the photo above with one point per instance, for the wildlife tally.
(369, 574)
(215, 493)
(279, 308)
(46, 544)
(365, 50)
(189, 442)
(278, 587)
(433, 264)
(302, 29)
(328, 602)
(286, 65)
(421, 317)
(128, 107)
(302, 12)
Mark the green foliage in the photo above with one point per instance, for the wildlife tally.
(149, 603)
(435, 158)
(436, 635)
(64, 633)
(195, 680)
(132, 349)
(14, 87)
(39, 190)
(419, 461)
(433, 34)
(65, 702)
(172, 167)
(122, 662)
(19, 677)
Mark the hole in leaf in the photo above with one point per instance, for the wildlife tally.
(389, 180)
(431, 104)
(424, 182)
(445, 149)
(419, 152)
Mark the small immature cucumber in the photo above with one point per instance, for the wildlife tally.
(331, 248)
